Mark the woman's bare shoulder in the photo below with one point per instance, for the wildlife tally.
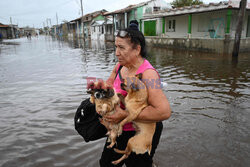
(150, 74)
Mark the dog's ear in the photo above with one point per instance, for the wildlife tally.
(139, 76)
(91, 85)
(90, 92)
(110, 92)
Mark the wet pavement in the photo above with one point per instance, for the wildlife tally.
(43, 80)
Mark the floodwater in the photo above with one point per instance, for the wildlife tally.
(43, 80)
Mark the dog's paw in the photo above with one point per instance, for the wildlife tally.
(111, 145)
(108, 133)
(119, 130)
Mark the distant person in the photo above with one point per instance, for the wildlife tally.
(29, 35)
(1, 37)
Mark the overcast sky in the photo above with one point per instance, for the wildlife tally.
(35, 12)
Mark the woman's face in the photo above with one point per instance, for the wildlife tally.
(125, 52)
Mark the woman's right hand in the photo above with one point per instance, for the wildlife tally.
(118, 116)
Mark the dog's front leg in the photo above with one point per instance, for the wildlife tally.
(113, 136)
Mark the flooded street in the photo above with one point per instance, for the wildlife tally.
(43, 81)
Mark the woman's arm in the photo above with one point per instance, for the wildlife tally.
(159, 108)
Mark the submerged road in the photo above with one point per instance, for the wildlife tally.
(43, 80)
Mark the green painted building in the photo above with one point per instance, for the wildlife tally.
(122, 17)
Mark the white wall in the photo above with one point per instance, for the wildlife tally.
(202, 22)
(159, 26)
(97, 34)
(181, 26)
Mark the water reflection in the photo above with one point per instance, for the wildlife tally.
(217, 70)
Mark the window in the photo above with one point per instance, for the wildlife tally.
(171, 26)
(156, 8)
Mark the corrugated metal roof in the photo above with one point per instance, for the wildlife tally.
(101, 22)
(93, 14)
(188, 9)
(97, 23)
(127, 9)
(4, 26)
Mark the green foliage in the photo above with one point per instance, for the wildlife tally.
(181, 3)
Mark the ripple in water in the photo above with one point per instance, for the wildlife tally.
(43, 81)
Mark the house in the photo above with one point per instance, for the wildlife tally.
(102, 29)
(80, 27)
(122, 17)
(88, 20)
(62, 30)
(28, 30)
(210, 27)
(5, 31)
(9, 31)
(74, 28)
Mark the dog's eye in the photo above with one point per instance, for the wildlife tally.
(98, 95)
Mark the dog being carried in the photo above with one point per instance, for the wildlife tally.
(105, 98)
(135, 102)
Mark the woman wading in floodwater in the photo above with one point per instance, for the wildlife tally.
(131, 53)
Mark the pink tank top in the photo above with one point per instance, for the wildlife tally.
(117, 86)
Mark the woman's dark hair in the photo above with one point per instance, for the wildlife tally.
(136, 37)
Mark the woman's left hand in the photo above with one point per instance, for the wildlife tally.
(118, 116)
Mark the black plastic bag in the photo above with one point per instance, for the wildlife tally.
(87, 122)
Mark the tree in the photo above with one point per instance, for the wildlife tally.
(181, 3)
(238, 32)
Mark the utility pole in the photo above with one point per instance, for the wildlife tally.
(56, 19)
(239, 25)
(82, 20)
(12, 30)
(43, 26)
(56, 23)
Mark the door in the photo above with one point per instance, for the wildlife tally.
(150, 28)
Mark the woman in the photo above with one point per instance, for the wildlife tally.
(131, 53)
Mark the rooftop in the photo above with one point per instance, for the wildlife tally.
(193, 9)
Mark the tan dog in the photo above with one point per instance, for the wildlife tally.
(135, 102)
(105, 99)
